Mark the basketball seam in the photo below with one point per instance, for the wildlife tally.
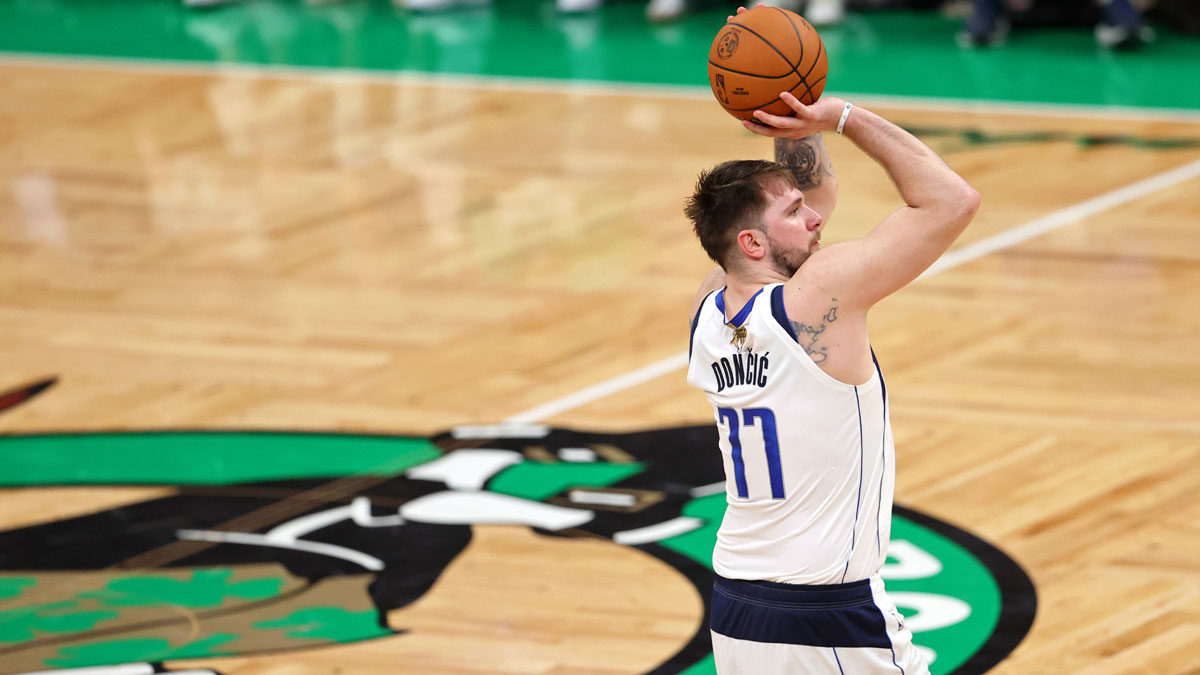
(765, 77)
(767, 42)
(804, 77)
(795, 30)
(774, 100)
(820, 48)
(810, 86)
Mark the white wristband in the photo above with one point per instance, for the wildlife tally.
(845, 116)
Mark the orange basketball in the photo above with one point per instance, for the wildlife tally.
(762, 52)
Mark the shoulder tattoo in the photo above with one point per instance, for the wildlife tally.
(809, 336)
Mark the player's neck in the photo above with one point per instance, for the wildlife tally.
(741, 286)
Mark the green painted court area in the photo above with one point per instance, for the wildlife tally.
(202, 457)
(900, 53)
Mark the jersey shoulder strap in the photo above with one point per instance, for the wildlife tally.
(780, 312)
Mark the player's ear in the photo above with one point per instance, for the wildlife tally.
(753, 243)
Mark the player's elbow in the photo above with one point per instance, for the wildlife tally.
(970, 199)
(961, 204)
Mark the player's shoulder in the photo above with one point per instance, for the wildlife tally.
(825, 273)
(712, 283)
(705, 297)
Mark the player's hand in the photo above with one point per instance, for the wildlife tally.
(807, 120)
(740, 10)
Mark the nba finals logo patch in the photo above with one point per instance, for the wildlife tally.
(236, 544)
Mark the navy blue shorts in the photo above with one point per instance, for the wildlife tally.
(765, 628)
(837, 615)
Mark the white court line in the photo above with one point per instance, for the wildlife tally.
(576, 87)
(601, 390)
(1062, 217)
(950, 260)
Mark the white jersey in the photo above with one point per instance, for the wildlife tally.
(809, 460)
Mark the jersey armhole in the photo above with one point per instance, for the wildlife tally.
(882, 384)
(780, 312)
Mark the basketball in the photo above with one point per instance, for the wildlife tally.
(762, 52)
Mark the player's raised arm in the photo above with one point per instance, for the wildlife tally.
(939, 203)
(810, 164)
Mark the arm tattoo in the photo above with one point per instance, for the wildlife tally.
(808, 336)
(807, 158)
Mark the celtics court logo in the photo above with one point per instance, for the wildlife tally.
(268, 541)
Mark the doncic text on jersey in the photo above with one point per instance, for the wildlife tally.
(742, 368)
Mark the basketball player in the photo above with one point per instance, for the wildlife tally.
(779, 345)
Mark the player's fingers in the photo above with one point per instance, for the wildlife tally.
(773, 120)
(794, 103)
(757, 128)
(743, 9)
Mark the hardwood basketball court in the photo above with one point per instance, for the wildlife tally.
(240, 251)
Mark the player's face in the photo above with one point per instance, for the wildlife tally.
(793, 229)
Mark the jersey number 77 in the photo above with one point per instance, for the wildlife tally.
(764, 418)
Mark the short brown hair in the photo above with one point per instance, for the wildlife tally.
(730, 197)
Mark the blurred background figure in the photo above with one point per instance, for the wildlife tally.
(577, 6)
(1120, 23)
(666, 10)
(818, 12)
